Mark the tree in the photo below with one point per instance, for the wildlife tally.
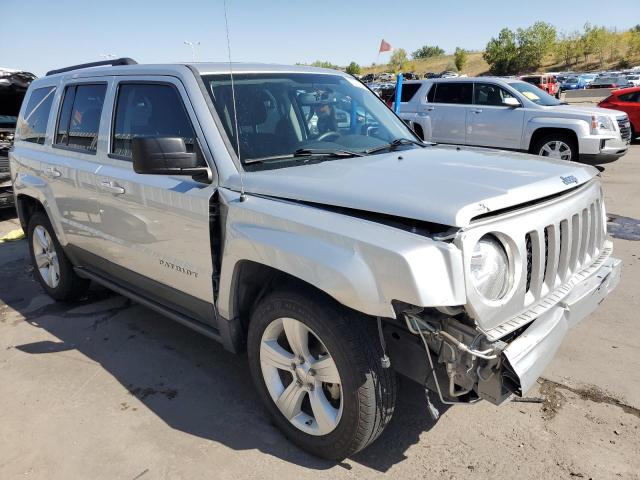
(533, 45)
(324, 64)
(353, 69)
(460, 57)
(398, 60)
(502, 53)
(428, 51)
(568, 48)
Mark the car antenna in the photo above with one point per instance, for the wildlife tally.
(233, 98)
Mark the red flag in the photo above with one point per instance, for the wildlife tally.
(385, 46)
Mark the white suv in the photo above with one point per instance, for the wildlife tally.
(514, 115)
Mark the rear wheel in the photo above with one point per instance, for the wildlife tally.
(318, 369)
(51, 266)
(558, 146)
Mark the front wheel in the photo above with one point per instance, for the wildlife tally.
(317, 367)
(558, 146)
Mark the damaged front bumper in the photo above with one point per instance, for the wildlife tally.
(466, 366)
(529, 354)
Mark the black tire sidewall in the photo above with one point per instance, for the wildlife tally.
(335, 444)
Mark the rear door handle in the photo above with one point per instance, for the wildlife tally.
(52, 172)
(477, 110)
(430, 109)
(111, 187)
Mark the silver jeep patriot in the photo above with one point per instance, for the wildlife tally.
(286, 211)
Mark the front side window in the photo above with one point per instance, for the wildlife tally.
(279, 114)
(489, 94)
(33, 127)
(149, 110)
(454, 92)
(79, 119)
(534, 94)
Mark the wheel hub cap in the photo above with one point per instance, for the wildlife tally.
(46, 256)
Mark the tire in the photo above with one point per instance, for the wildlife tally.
(366, 391)
(55, 273)
(567, 145)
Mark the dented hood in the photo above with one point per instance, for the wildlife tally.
(439, 184)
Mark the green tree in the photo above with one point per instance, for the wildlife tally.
(534, 43)
(398, 61)
(460, 57)
(568, 49)
(502, 53)
(428, 51)
(353, 69)
(324, 64)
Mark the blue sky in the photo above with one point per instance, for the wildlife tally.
(38, 35)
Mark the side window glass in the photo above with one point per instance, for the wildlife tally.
(454, 92)
(80, 116)
(149, 110)
(33, 127)
(488, 94)
(408, 91)
(432, 93)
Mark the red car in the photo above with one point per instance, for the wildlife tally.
(626, 100)
(545, 82)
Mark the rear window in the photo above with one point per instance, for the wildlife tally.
(33, 127)
(630, 97)
(454, 92)
(534, 80)
(409, 90)
(80, 116)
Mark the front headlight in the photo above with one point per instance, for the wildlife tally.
(490, 268)
(601, 123)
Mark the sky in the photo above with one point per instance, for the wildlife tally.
(39, 35)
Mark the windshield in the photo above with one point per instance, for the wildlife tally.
(280, 114)
(536, 95)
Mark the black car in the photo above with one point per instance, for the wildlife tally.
(13, 86)
(610, 82)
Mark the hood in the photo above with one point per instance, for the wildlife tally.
(586, 110)
(438, 184)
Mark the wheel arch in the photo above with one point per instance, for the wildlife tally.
(545, 131)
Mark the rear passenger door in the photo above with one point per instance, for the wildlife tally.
(70, 165)
(156, 226)
(448, 112)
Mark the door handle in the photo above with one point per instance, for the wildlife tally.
(111, 187)
(430, 109)
(52, 172)
(477, 110)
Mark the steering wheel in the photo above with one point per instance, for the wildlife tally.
(330, 135)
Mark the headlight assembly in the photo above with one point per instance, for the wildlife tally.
(490, 268)
(601, 123)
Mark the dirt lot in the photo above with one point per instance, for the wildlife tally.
(107, 389)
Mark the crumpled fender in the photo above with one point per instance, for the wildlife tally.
(362, 264)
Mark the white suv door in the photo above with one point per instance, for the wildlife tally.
(448, 111)
(491, 122)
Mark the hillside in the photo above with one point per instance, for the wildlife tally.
(475, 65)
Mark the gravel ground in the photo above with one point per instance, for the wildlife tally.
(106, 389)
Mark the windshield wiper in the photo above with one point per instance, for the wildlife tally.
(395, 144)
(308, 152)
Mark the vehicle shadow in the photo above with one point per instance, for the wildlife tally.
(187, 380)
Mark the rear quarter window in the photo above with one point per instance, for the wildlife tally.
(33, 126)
(454, 92)
(409, 91)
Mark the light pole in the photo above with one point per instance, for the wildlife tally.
(193, 46)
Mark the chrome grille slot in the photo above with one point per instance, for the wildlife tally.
(527, 241)
(553, 255)
(625, 128)
(565, 250)
(584, 236)
(575, 242)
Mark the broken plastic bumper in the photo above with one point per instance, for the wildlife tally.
(531, 352)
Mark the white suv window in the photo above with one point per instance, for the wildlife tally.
(79, 118)
(33, 127)
(489, 94)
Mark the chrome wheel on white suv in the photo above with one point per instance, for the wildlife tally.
(317, 368)
(46, 257)
(557, 146)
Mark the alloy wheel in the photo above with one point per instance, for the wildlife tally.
(556, 149)
(46, 256)
(301, 376)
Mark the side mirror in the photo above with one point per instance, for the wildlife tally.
(511, 102)
(168, 156)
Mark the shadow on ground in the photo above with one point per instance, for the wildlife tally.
(187, 380)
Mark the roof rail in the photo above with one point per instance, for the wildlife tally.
(114, 62)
